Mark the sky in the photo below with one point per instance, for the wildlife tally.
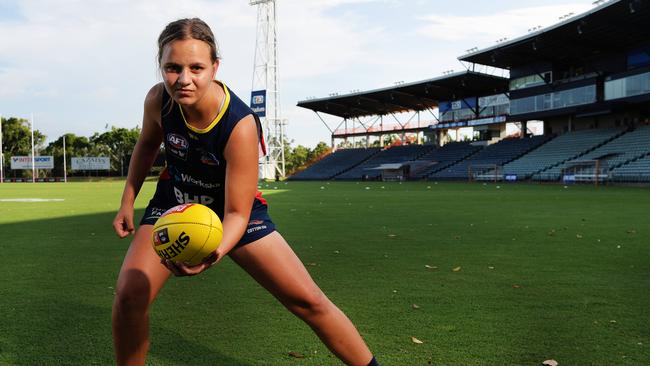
(80, 66)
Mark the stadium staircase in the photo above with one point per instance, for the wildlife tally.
(335, 163)
(637, 170)
(491, 156)
(557, 151)
(590, 141)
(392, 155)
(637, 167)
(624, 148)
(440, 158)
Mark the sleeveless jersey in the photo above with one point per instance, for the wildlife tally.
(196, 167)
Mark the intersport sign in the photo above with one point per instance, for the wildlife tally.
(25, 162)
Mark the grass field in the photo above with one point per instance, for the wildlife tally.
(500, 275)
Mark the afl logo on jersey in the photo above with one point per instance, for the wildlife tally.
(177, 141)
(178, 145)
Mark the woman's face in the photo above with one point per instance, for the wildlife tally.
(187, 70)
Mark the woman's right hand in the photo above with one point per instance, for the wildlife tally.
(123, 222)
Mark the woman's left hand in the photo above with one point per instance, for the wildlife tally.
(181, 269)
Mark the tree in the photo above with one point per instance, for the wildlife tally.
(116, 143)
(299, 157)
(321, 149)
(74, 146)
(17, 140)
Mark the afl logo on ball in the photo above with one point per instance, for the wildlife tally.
(161, 237)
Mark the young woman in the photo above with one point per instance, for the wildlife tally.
(211, 142)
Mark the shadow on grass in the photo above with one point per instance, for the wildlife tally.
(57, 293)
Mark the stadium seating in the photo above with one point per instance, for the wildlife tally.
(440, 158)
(490, 157)
(395, 154)
(557, 151)
(637, 170)
(624, 155)
(335, 163)
(619, 151)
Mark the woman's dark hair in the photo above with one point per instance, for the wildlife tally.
(188, 28)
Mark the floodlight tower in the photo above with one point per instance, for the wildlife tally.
(265, 96)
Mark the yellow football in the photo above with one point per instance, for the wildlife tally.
(187, 233)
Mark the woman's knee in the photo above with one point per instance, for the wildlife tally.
(310, 305)
(133, 293)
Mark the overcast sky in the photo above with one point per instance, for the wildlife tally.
(79, 65)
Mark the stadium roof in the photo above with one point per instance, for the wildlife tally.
(416, 96)
(613, 26)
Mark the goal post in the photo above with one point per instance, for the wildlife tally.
(585, 171)
(485, 172)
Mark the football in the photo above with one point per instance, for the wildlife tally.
(187, 233)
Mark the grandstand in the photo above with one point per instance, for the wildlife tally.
(493, 155)
(335, 164)
(586, 79)
(626, 148)
(544, 163)
(637, 170)
(443, 157)
(371, 168)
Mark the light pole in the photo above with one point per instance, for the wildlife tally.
(265, 96)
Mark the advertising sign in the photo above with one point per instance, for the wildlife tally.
(258, 102)
(25, 162)
(91, 163)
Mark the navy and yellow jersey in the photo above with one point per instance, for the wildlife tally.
(196, 167)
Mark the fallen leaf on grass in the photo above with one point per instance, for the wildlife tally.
(415, 306)
(550, 363)
(416, 341)
(296, 355)
(457, 269)
(516, 286)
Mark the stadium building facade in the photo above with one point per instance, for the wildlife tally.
(587, 78)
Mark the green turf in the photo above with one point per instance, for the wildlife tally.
(545, 272)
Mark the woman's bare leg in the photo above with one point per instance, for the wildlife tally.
(141, 278)
(274, 265)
